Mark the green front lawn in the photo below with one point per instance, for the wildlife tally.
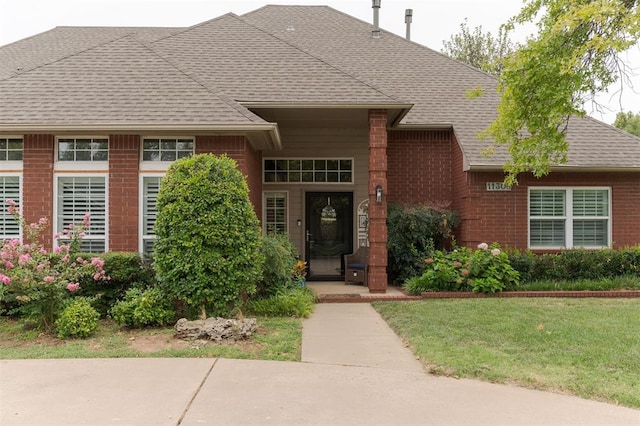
(277, 339)
(586, 347)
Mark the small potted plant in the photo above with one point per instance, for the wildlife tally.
(300, 272)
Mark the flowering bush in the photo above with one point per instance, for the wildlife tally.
(39, 281)
(484, 270)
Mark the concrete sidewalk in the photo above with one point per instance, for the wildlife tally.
(355, 371)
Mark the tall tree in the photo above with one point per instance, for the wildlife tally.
(549, 79)
(479, 49)
(629, 122)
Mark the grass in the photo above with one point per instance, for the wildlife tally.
(277, 339)
(585, 347)
(628, 282)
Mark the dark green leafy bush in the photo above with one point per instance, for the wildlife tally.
(77, 319)
(143, 308)
(414, 232)
(577, 264)
(208, 252)
(485, 270)
(280, 259)
(126, 270)
(294, 302)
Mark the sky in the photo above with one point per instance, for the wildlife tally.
(433, 22)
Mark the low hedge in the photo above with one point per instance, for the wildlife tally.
(576, 264)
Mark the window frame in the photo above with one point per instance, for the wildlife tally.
(569, 216)
(73, 165)
(152, 165)
(19, 201)
(56, 205)
(10, 165)
(301, 182)
(265, 195)
(143, 237)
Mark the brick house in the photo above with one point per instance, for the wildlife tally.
(320, 110)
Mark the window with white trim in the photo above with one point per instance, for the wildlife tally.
(77, 196)
(275, 212)
(83, 149)
(299, 170)
(150, 188)
(11, 149)
(9, 190)
(166, 149)
(569, 217)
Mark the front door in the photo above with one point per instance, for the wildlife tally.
(329, 233)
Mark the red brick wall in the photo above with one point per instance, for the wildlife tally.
(249, 161)
(460, 192)
(37, 183)
(377, 261)
(420, 167)
(124, 159)
(502, 216)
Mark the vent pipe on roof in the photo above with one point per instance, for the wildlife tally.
(376, 18)
(408, 15)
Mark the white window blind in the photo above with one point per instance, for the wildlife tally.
(9, 190)
(78, 196)
(275, 211)
(150, 189)
(569, 218)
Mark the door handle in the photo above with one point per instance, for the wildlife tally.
(308, 236)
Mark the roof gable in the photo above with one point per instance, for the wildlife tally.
(122, 81)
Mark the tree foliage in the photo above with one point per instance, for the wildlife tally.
(208, 247)
(629, 122)
(549, 79)
(479, 49)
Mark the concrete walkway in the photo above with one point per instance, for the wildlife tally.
(348, 377)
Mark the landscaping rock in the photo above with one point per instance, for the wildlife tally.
(216, 329)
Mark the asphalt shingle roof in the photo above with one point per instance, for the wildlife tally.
(121, 81)
(289, 55)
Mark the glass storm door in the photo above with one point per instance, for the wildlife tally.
(329, 233)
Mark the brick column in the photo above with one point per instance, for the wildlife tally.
(377, 260)
(124, 182)
(37, 182)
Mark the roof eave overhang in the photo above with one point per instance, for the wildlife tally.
(595, 169)
(397, 110)
(261, 135)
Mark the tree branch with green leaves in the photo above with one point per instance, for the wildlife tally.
(548, 80)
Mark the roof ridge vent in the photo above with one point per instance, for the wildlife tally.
(376, 18)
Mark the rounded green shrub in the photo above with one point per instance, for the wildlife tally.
(143, 308)
(207, 253)
(77, 319)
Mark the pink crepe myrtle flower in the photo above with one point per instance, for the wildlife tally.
(96, 276)
(5, 279)
(73, 287)
(57, 249)
(495, 251)
(86, 219)
(97, 262)
(483, 246)
(49, 279)
(40, 266)
(8, 264)
(24, 258)
(11, 202)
